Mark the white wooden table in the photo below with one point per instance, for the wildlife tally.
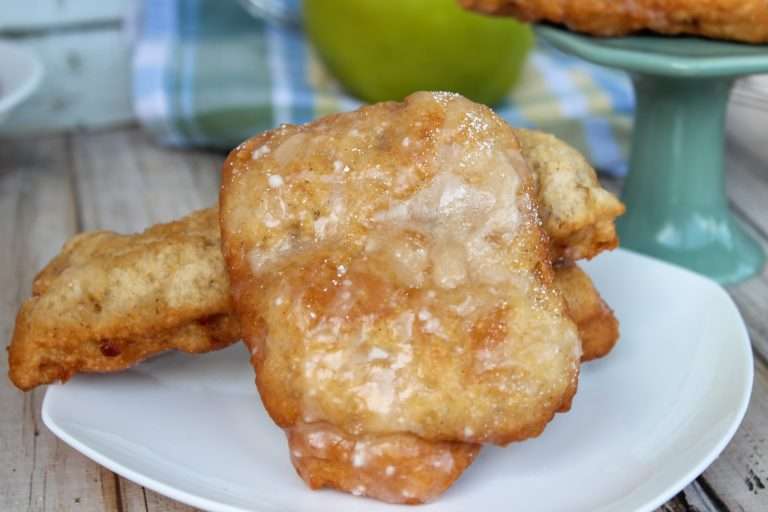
(52, 187)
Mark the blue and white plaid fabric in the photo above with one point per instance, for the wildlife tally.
(208, 73)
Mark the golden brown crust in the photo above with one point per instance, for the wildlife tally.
(578, 213)
(396, 468)
(738, 20)
(598, 327)
(423, 204)
(394, 287)
(108, 301)
(578, 216)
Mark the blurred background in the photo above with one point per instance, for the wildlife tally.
(210, 73)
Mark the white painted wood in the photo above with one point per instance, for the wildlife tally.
(747, 119)
(135, 498)
(740, 474)
(697, 499)
(37, 208)
(125, 183)
(747, 180)
(138, 499)
(23, 15)
(87, 83)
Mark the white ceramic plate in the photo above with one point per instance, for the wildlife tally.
(646, 421)
(20, 74)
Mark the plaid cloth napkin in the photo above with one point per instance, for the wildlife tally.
(207, 73)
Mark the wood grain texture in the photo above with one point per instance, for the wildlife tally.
(748, 112)
(37, 472)
(125, 183)
(739, 477)
(135, 498)
(747, 182)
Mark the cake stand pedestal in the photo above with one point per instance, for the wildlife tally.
(677, 209)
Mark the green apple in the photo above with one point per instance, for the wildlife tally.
(387, 49)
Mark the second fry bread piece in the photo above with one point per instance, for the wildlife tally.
(108, 301)
(578, 213)
(598, 327)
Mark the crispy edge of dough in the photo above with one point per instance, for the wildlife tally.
(598, 326)
(32, 365)
(216, 332)
(395, 468)
(578, 213)
(48, 345)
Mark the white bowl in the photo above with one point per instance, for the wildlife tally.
(20, 74)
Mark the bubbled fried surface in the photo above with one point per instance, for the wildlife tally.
(738, 20)
(578, 217)
(598, 327)
(578, 213)
(396, 468)
(107, 301)
(391, 275)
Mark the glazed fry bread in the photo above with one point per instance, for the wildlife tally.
(35, 361)
(108, 301)
(392, 278)
(402, 468)
(397, 468)
(738, 20)
(578, 215)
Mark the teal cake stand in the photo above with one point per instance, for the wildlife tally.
(677, 209)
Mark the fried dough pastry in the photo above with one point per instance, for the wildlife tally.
(578, 213)
(108, 301)
(397, 468)
(403, 468)
(35, 361)
(392, 278)
(738, 20)
(598, 327)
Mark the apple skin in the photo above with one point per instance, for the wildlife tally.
(386, 49)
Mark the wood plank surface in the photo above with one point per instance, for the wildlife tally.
(53, 186)
(124, 183)
(739, 477)
(37, 208)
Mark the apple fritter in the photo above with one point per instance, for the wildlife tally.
(738, 20)
(108, 301)
(391, 276)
